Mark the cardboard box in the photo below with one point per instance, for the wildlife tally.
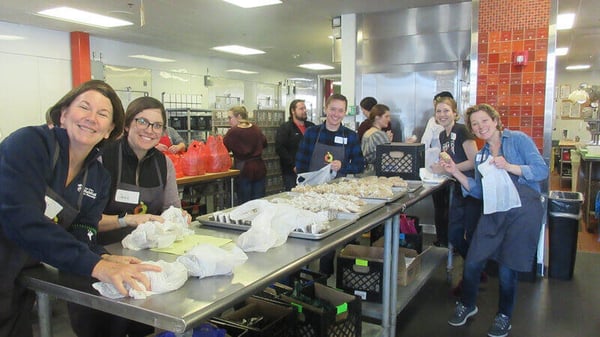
(276, 320)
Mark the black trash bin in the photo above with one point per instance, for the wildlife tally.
(564, 212)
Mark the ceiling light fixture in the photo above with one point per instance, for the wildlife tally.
(562, 51)
(253, 3)
(83, 17)
(315, 66)
(151, 58)
(238, 50)
(565, 21)
(241, 71)
(11, 37)
(578, 67)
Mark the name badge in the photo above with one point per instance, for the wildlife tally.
(478, 157)
(127, 197)
(52, 207)
(340, 140)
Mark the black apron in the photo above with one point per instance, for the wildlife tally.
(324, 154)
(150, 202)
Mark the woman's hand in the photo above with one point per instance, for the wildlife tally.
(336, 165)
(449, 166)
(437, 168)
(135, 220)
(120, 274)
(121, 259)
(390, 135)
(187, 216)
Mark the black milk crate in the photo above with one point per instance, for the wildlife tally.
(232, 330)
(361, 276)
(277, 318)
(400, 159)
(305, 277)
(342, 319)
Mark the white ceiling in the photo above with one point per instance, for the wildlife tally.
(293, 33)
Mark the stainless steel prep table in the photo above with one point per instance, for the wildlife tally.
(198, 300)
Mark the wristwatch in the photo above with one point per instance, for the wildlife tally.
(121, 219)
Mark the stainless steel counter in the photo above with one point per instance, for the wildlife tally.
(198, 300)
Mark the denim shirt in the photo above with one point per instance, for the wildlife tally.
(518, 149)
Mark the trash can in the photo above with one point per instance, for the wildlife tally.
(564, 212)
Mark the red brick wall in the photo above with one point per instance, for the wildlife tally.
(517, 92)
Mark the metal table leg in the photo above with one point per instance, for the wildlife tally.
(44, 314)
(387, 280)
(394, 276)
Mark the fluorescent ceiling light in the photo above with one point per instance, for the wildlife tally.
(242, 71)
(253, 3)
(151, 58)
(562, 51)
(338, 83)
(300, 79)
(83, 17)
(239, 50)
(565, 21)
(11, 37)
(578, 67)
(315, 66)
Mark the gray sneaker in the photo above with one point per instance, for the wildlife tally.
(501, 326)
(461, 314)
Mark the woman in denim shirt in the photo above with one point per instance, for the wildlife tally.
(509, 237)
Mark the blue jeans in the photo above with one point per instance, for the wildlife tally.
(250, 189)
(507, 278)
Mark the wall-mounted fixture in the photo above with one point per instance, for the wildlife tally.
(520, 58)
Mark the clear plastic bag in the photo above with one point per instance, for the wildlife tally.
(322, 176)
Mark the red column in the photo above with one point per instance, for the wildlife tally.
(80, 58)
(517, 91)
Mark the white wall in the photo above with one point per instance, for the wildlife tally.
(575, 127)
(36, 72)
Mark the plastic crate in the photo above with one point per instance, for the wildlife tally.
(278, 319)
(343, 319)
(306, 277)
(400, 159)
(360, 270)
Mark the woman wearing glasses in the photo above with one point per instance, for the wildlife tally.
(142, 186)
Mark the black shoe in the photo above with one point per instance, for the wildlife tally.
(439, 243)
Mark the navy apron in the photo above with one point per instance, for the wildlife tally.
(510, 237)
(150, 202)
(324, 154)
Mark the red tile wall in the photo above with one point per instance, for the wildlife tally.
(517, 92)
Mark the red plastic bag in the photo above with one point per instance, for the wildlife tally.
(177, 163)
(407, 225)
(218, 159)
(197, 148)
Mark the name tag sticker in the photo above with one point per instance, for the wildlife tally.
(478, 157)
(52, 207)
(127, 197)
(340, 140)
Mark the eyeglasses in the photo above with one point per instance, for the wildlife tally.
(143, 123)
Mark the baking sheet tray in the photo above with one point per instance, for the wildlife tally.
(334, 226)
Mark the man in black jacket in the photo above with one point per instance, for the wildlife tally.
(288, 139)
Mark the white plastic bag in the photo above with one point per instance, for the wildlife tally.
(432, 155)
(322, 176)
(499, 191)
(172, 277)
(207, 260)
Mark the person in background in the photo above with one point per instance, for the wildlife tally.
(365, 106)
(459, 143)
(142, 186)
(52, 196)
(509, 237)
(380, 118)
(171, 141)
(287, 140)
(441, 197)
(246, 141)
(331, 143)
